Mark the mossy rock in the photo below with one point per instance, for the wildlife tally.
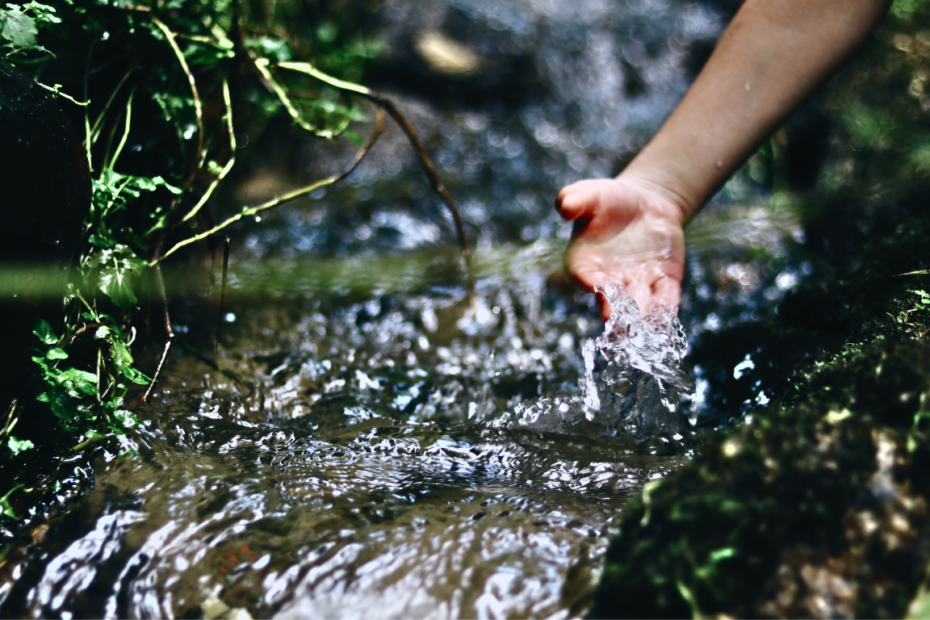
(817, 511)
(820, 505)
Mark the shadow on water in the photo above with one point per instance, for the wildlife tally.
(354, 454)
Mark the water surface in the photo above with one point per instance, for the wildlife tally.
(358, 446)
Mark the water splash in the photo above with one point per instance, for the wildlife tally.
(646, 354)
(641, 384)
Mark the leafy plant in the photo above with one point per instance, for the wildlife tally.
(19, 26)
(160, 137)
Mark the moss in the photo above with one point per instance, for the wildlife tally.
(818, 506)
(798, 514)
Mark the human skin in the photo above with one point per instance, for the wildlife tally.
(628, 230)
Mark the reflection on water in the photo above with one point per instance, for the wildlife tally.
(368, 446)
(353, 479)
(362, 470)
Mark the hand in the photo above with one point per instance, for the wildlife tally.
(627, 231)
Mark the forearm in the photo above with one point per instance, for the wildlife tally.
(774, 53)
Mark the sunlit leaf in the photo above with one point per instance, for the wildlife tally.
(44, 331)
(18, 28)
(56, 354)
(17, 446)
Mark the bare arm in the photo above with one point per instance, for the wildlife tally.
(773, 54)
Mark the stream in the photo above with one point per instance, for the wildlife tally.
(369, 446)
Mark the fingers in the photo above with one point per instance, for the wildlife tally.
(647, 288)
(605, 308)
(577, 200)
(589, 276)
(667, 292)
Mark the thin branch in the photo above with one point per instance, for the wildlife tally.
(87, 130)
(10, 421)
(410, 132)
(92, 441)
(275, 202)
(95, 130)
(261, 64)
(79, 331)
(198, 107)
(232, 155)
(219, 323)
(122, 142)
(55, 89)
(169, 335)
(218, 43)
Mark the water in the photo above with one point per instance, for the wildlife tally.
(354, 479)
(638, 391)
(366, 446)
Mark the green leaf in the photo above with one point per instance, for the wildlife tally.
(122, 359)
(5, 507)
(60, 404)
(56, 354)
(115, 283)
(115, 267)
(44, 331)
(16, 446)
(101, 241)
(153, 183)
(78, 382)
(722, 554)
(42, 364)
(356, 139)
(275, 49)
(43, 12)
(18, 28)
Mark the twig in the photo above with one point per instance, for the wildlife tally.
(122, 142)
(169, 335)
(10, 422)
(95, 130)
(61, 94)
(87, 130)
(261, 64)
(78, 332)
(410, 132)
(275, 202)
(198, 108)
(219, 324)
(91, 442)
(232, 155)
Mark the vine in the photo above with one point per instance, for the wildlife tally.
(160, 122)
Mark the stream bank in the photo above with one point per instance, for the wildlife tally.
(817, 506)
(342, 454)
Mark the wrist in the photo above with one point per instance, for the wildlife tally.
(667, 186)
